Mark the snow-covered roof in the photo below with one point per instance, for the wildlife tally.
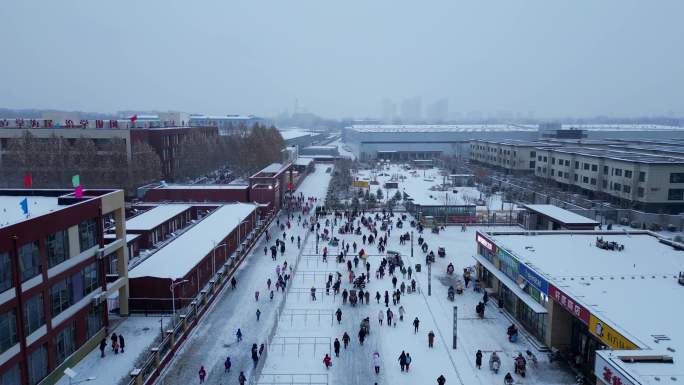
(561, 215)
(177, 258)
(635, 291)
(155, 217)
(296, 133)
(303, 161)
(11, 212)
(272, 168)
(129, 237)
(203, 187)
(401, 128)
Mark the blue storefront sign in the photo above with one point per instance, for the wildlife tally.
(533, 278)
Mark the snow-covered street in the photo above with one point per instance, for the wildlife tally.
(307, 329)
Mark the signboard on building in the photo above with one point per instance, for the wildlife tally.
(569, 304)
(608, 374)
(533, 278)
(360, 184)
(485, 243)
(608, 335)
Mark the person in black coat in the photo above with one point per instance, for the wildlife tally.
(478, 359)
(103, 345)
(122, 343)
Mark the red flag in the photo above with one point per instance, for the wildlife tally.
(78, 193)
(28, 181)
(134, 118)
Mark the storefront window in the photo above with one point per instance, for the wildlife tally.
(535, 323)
(509, 265)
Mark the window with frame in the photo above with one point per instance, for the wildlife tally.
(61, 296)
(6, 276)
(87, 234)
(605, 183)
(567, 163)
(576, 165)
(618, 172)
(617, 186)
(8, 330)
(675, 194)
(677, 177)
(11, 377)
(64, 343)
(576, 177)
(585, 179)
(90, 281)
(95, 315)
(586, 166)
(34, 314)
(533, 154)
(594, 167)
(29, 260)
(57, 247)
(593, 181)
(626, 189)
(552, 172)
(640, 192)
(553, 160)
(628, 173)
(605, 170)
(37, 365)
(642, 176)
(566, 175)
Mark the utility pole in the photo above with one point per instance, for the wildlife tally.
(411, 243)
(429, 266)
(455, 326)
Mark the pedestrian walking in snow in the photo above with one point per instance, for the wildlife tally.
(115, 340)
(485, 297)
(239, 335)
(345, 339)
(441, 380)
(122, 343)
(431, 338)
(268, 284)
(377, 297)
(202, 374)
(258, 314)
(265, 250)
(390, 315)
(408, 361)
(386, 299)
(410, 272)
(271, 295)
(256, 295)
(367, 295)
(313, 293)
(376, 362)
(416, 322)
(336, 347)
(401, 313)
(394, 282)
(255, 358)
(338, 314)
(242, 379)
(262, 347)
(103, 345)
(233, 282)
(362, 336)
(226, 365)
(381, 316)
(402, 360)
(327, 361)
(478, 359)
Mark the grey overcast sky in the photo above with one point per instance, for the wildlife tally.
(342, 58)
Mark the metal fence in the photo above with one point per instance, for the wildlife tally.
(293, 379)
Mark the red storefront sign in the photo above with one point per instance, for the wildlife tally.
(569, 304)
(485, 243)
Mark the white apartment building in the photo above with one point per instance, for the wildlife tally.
(516, 156)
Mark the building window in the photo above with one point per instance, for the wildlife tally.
(64, 344)
(34, 314)
(8, 330)
(37, 365)
(533, 154)
(11, 377)
(57, 246)
(29, 260)
(567, 163)
(553, 160)
(539, 158)
(640, 192)
(90, 281)
(539, 169)
(626, 189)
(532, 164)
(642, 176)
(605, 170)
(552, 172)
(60, 296)
(87, 234)
(605, 183)
(594, 167)
(6, 277)
(617, 186)
(576, 165)
(585, 179)
(586, 166)
(576, 177)
(628, 173)
(545, 159)
(618, 172)
(593, 181)
(95, 315)
(675, 194)
(677, 177)
(566, 175)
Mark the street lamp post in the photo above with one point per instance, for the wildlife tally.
(173, 299)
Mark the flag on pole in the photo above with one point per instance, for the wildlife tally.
(28, 181)
(75, 181)
(78, 193)
(134, 118)
(24, 206)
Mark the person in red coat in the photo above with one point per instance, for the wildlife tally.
(327, 361)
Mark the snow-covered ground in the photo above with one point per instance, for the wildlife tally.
(139, 332)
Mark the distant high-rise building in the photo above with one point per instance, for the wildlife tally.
(411, 109)
(389, 110)
(438, 112)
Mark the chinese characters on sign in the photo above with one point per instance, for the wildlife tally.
(607, 374)
(579, 311)
(608, 335)
(485, 243)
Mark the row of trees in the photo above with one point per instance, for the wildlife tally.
(244, 155)
(52, 162)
